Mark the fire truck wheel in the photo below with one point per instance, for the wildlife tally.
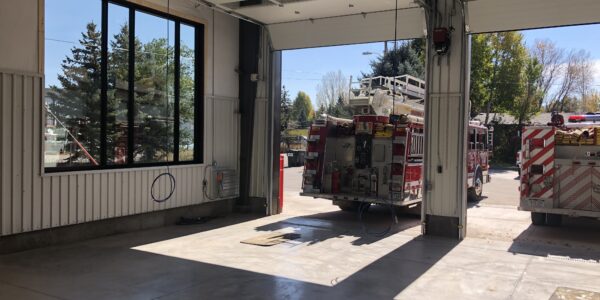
(553, 220)
(475, 192)
(538, 218)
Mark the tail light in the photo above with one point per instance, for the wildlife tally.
(575, 119)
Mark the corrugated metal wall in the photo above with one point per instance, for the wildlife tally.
(32, 201)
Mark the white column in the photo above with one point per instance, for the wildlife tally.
(446, 109)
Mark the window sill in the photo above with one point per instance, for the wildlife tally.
(121, 170)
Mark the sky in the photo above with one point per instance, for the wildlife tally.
(66, 19)
(303, 69)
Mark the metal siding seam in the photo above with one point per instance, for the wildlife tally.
(36, 185)
(72, 186)
(96, 202)
(27, 208)
(17, 159)
(118, 194)
(80, 198)
(64, 200)
(110, 197)
(89, 197)
(55, 204)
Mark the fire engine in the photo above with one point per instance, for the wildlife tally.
(560, 171)
(377, 156)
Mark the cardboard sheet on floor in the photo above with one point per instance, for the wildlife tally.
(271, 239)
(564, 293)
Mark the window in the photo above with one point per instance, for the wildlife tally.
(123, 86)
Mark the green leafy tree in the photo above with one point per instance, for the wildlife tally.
(526, 105)
(76, 102)
(302, 109)
(498, 60)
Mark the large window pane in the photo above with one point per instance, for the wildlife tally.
(72, 65)
(118, 84)
(154, 86)
(186, 92)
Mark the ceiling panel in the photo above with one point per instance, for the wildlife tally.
(504, 15)
(353, 29)
(314, 23)
(315, 9)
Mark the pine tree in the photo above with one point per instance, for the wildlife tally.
(286, 105)
(77, 100)
(408, 58)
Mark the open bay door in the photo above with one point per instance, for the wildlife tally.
(292, 24)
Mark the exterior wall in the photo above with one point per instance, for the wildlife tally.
(31, 200)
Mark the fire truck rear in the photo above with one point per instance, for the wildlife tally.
(560, 172)
(377, 157)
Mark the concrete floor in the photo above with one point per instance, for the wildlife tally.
(336, 257)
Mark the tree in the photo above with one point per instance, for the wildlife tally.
(408, 59)
(551, 59)
(77, 100)
(585, 78)
(340, 109)
(286, 108)
(481, 72)
(498, 60)
(571, 75)
(334, 85)
(526, 105)
(302, 109)
(592, 102)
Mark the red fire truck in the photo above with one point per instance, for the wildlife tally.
(377, 157)
(560, 172)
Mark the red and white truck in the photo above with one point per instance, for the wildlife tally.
(560, 172)
(377, 157)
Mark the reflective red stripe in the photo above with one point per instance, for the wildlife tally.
(532, 134)
(539, 155)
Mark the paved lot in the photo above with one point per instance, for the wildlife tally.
(337, 256)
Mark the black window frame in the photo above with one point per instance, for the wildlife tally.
(198, 120)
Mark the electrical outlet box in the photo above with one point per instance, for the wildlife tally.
(224, 183)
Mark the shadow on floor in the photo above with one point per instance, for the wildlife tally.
(108, 268)
(373, 225)
(577, 238)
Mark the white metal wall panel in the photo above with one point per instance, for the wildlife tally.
(352, 29)
(494, 15)
(31, 201)
(19, 35)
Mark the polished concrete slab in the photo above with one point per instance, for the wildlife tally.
(336, 257)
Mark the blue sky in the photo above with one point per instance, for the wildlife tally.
(303, 69)
(66, 19)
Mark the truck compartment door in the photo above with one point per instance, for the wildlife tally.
(574, 187)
